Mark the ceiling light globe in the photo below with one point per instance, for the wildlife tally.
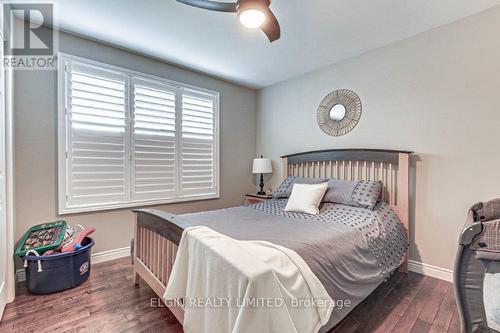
(252, 18)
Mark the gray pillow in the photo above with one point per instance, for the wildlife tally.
(285, 188)
(362, 193)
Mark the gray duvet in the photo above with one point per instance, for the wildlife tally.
(351, 250)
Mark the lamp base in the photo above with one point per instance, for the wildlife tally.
(261, 192)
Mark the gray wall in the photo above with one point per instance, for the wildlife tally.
(436, 94)
(36, 143)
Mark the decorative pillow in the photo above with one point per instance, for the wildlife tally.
(280, 191)
(285, 188)
(362, 193)
(366, 193)
(305, 198)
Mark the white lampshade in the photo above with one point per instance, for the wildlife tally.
(262, 165)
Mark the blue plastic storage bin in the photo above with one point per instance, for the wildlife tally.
(59, 271)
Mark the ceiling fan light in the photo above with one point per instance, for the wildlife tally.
(252, 18)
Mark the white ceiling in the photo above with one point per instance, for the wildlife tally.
(315, 33)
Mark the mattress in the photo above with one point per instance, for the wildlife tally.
(350, 250)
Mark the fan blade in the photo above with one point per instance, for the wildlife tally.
(271, 27)
(211, 5)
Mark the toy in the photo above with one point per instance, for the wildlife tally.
(72, 240)
(70, 231)
(68, 235)
(42, 237)
(76, 242)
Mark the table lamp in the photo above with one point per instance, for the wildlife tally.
(262, 165)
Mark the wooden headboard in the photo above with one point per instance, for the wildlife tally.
(389, 166)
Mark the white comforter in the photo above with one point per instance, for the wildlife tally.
(245, 286)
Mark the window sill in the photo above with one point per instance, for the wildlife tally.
(134, 204)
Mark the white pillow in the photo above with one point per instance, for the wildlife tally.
(305, 198)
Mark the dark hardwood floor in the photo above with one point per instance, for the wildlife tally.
(108, 302)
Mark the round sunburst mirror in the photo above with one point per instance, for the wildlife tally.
(339, 112)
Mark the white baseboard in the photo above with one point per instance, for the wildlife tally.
(2, 308)
(110, 255)
(430, 270)
(3, 299)
(96, 258)
(414, 266)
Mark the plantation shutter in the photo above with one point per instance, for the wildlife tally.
(97, 166)
(198, 143)
(128, 139)
(154, 141)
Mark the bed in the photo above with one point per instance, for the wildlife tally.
(364, 246)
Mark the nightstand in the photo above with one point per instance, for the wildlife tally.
(251, 199)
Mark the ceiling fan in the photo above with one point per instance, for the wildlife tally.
(252, 14)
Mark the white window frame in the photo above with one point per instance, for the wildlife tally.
(62, 135)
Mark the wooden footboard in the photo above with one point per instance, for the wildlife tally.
(156, 237)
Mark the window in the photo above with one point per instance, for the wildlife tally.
(128, 139)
